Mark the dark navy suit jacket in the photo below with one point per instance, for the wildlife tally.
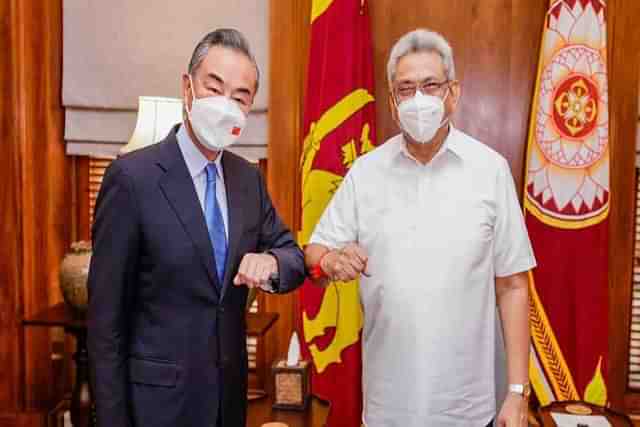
(164, 341)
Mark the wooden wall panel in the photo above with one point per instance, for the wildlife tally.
(289, 44)
(495, 44)
(46, 181)
(624, 74)
(9, 221)
(35, 197)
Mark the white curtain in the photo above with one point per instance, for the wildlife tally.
(117, 50)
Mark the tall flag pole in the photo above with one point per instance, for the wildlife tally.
(566, 202)
(339, 126)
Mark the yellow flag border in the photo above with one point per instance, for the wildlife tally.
(554, 367)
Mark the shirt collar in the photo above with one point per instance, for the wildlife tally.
(452, 144)
(456, 143)
(195, 160)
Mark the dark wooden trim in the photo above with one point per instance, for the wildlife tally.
(82, 198)
(9, 419)
(624, 74)
(632, 402)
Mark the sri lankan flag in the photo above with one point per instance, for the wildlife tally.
(566, 202)
(339, 126)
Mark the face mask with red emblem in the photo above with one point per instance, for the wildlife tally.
(216, 121)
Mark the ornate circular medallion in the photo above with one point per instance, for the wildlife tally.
(575, 107)
(568, 166)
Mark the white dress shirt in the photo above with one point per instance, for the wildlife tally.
(437, 235)
(197, 163)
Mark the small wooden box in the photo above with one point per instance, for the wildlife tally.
(292, 385)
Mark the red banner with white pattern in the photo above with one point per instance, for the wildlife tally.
(566, 201)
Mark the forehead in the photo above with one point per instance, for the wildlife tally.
(419, 66)
(232, 66)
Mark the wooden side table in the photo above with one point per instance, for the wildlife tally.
(616, 419)
(82, 410)
(258, 324)
(261, 412)
(75, 325)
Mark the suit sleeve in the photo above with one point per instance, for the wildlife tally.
(111, 275)
(276, 239)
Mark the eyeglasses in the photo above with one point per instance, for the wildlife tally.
(407, 90)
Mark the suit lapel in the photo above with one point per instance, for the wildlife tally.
(177, 186)
(236, 194)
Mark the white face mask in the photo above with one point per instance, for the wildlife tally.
(422, 116)
(216, 120)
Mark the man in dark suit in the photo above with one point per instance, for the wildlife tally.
(182, 229)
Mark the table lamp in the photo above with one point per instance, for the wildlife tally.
(156, 117)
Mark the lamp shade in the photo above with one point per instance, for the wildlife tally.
(156, 117)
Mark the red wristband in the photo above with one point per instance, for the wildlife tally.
(317, 272)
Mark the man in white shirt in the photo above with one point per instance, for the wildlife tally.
(431, 221)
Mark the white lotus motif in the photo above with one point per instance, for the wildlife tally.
(568, 166)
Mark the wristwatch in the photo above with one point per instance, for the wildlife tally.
(273, 283)
(523, 390)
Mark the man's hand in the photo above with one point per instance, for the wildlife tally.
(345, 264)
(255, 270)
(514, 412)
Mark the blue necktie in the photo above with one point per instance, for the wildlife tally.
(215, 223)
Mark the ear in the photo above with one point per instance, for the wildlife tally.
(455, 93)
(187, 94)
(394, 110)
